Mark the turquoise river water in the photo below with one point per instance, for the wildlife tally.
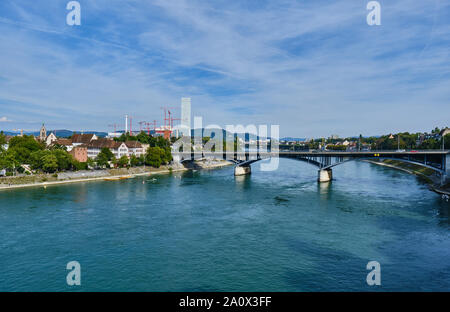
(209, 231)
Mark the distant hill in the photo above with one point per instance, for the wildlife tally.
(59, 133)
(293, 139)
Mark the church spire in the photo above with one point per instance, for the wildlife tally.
(43, 133)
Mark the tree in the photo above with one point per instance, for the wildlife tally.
(123, 161)
(102, 160)
(2, 141)
(125, 137)
(90, 163)
(104, 157)
(36, 159)
(134, 161)
(153, 157)
(64, 159)
(49, 163)
(7, 161)
(107, 152)
(143, 137)
(23, 146)
(446, 139)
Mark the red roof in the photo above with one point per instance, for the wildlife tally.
(82, 138)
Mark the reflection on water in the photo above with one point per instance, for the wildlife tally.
(210, 230)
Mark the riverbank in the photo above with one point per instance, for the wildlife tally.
(44, 180)
(425, 173)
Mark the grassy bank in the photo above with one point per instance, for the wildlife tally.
(426, 174)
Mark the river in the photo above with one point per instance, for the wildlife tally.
(209, 231)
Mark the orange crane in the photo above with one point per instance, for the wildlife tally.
(171, 121)
(167, 109)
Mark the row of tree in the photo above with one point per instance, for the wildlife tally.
(404, 140)
(26, 150)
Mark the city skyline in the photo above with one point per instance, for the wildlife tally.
(313, 68)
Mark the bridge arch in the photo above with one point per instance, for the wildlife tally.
(320, 166)
(436, 160)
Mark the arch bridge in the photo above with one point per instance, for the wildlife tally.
(436, 160)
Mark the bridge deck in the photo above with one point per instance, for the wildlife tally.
(328, 153)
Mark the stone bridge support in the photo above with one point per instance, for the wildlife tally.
(242, 170)
(446, 176)
(325, 175)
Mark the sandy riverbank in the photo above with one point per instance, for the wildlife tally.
(101, 175)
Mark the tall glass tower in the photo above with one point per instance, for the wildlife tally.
(185, 128)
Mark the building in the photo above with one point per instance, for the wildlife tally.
(42, 133)
(118, 149)
(185, 127)
(113, 135)
(67, 143)
(79, 139)
(95, 146)
(50, 139)
(145, 148)
(134, 148)
(444, 132)
(80, 153)
(43, 137)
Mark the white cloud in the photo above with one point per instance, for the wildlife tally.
(4, 119)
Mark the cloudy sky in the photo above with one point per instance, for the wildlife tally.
(313, 67)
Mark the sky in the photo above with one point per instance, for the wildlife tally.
(314, 68)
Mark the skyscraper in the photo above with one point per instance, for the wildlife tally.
(185, 116)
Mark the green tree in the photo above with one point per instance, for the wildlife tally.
(49, 163)
(36, 159)
(134, 161)
(8, 161)
(23, 146)
(90, 163)
(107, 152)
(104, 157)
(64, 159)
(2, 141)
(153, 157)
(143, 137)
(102, 160)
(123, 161)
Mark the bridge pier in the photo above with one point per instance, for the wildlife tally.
(241, 170)
(325, 175)
(444, 179)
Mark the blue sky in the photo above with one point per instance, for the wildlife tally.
(313, 67)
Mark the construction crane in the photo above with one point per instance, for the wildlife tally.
(140, 125)
(167, 109)
(154, 124)
(146, 126)
(171, 120)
